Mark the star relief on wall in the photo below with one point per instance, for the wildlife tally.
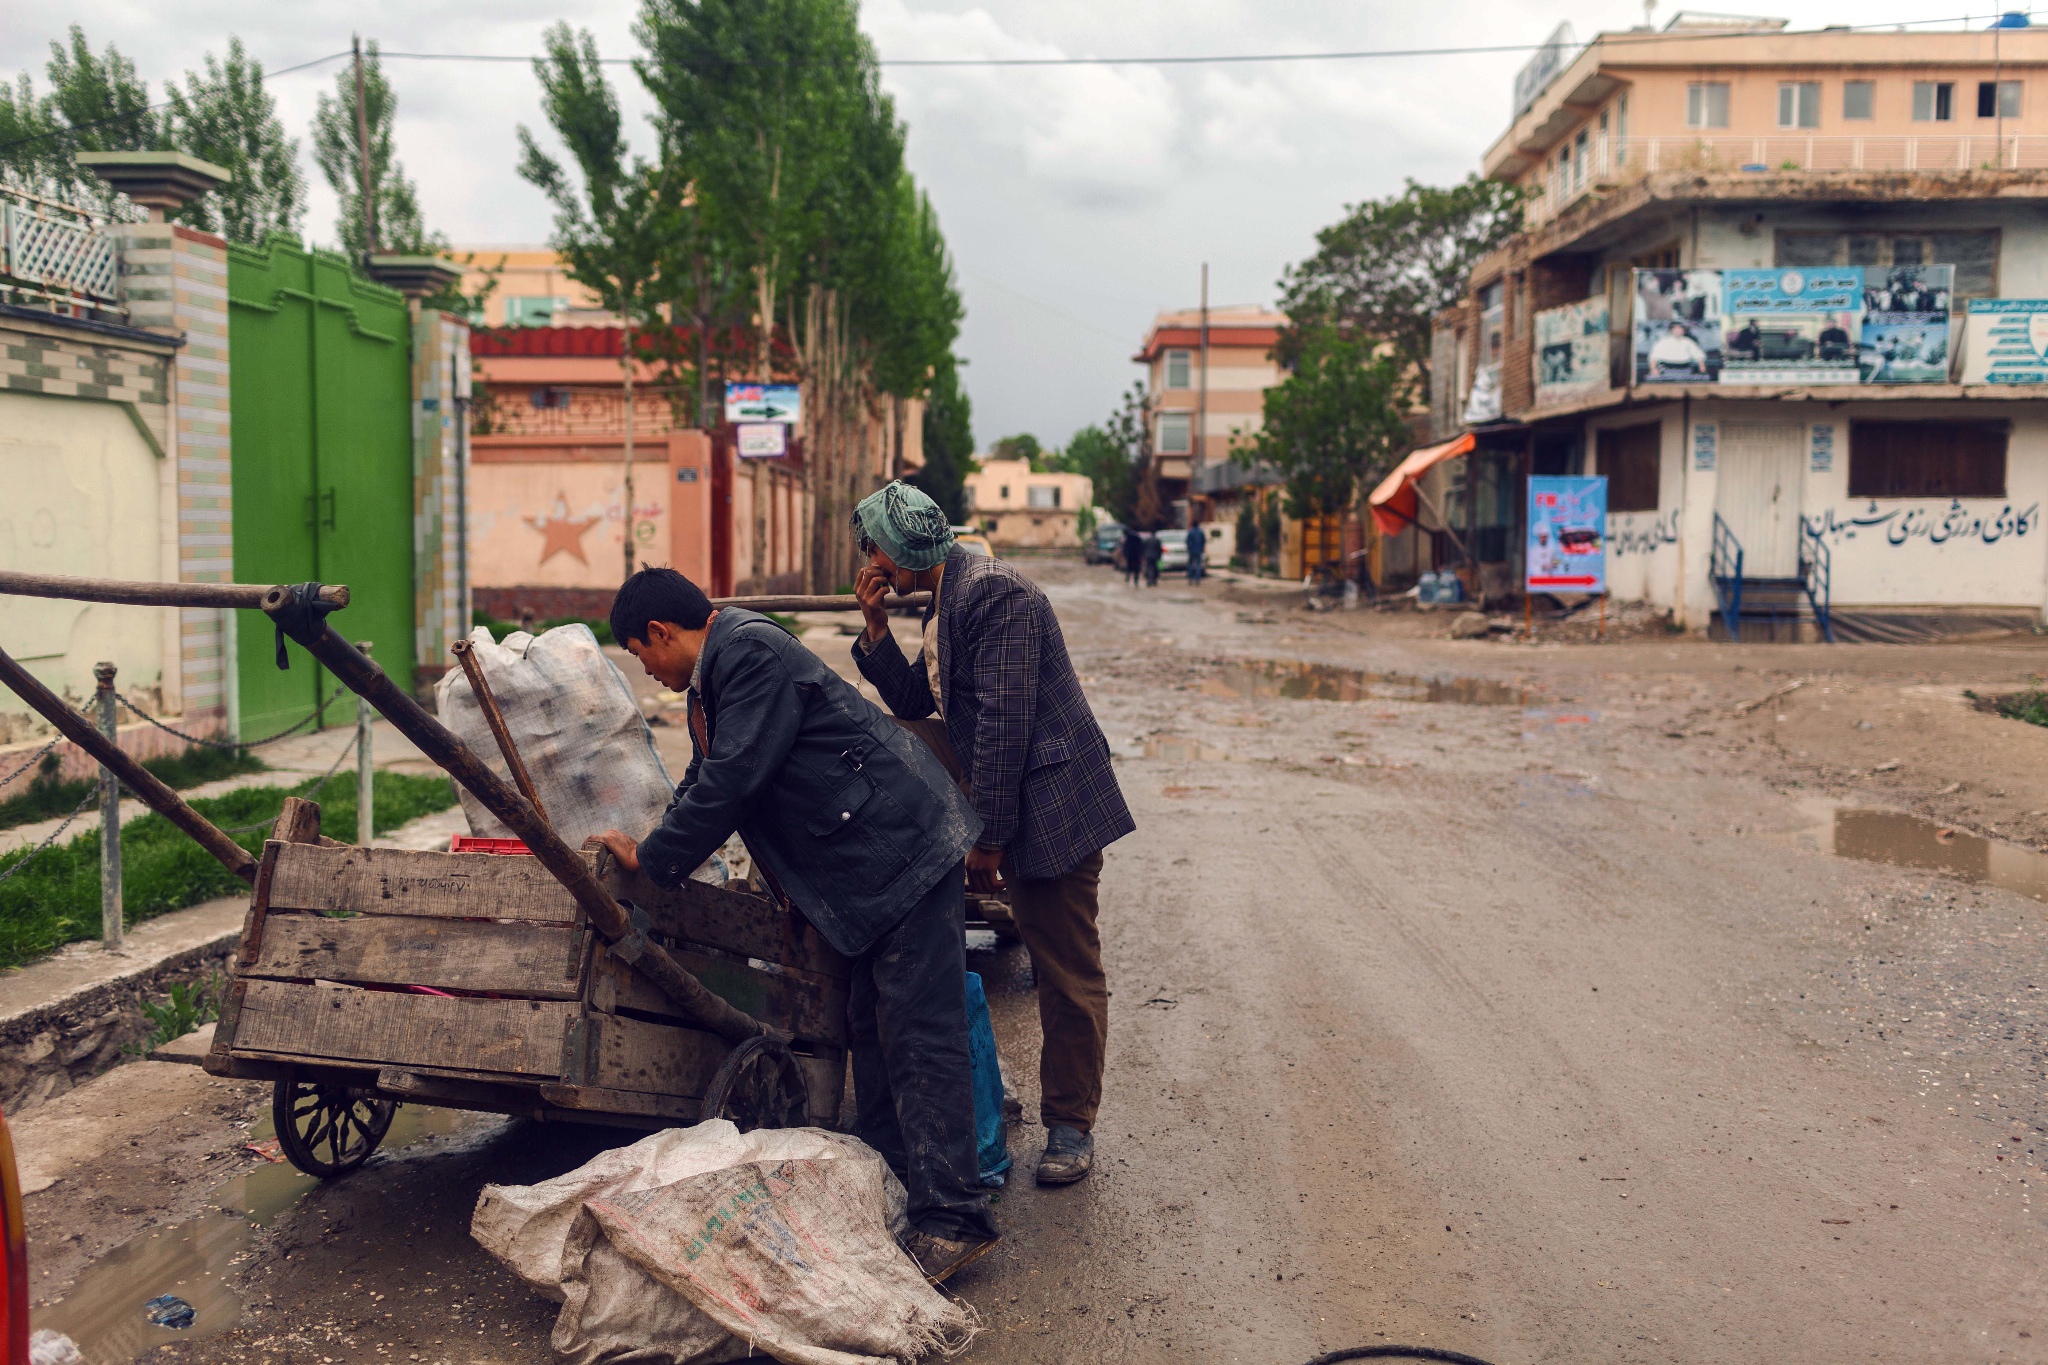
(560, 532)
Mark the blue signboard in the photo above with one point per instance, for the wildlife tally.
(1567, 549)
(1789, 326)
(763, 403)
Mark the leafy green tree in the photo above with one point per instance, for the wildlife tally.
(1333, 423)
(1386, 268)
(948, 443)
(399, 225)
(96, 103)
(1094, 452)
(1135, 500)
(1023, 446)
(227, 117)
(609, 232)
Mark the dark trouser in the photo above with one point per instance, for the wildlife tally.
(906, 1019)
(1195, 567)
(1056, 919)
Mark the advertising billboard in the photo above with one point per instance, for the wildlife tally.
(1571, 351)
(763, 403)
(2005, 341)
(1678, 326)
(1792, 326)
(1567, 550)
(1906, 324)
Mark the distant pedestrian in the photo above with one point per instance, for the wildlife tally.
(1154, 552)
(1134, 554)
(1198, 541)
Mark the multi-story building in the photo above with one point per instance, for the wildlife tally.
(528, 287)
(1777, 287)
(1207, 373)
(1018, 506)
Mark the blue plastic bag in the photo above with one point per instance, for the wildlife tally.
(991, 1134)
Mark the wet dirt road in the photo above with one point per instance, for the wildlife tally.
(1531, 1021)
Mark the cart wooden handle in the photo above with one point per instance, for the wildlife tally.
(473, 670)
(436, 741)
(844, 601)
(138, 779)
(248, 595)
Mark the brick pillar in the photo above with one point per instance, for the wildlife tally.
(440, 367)
(174, 280)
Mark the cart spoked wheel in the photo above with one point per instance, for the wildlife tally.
(325, 1128)
(759, 1085)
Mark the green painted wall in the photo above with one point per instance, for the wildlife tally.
(323, 482)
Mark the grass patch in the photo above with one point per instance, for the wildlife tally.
(190, 1004)
(56, 900)
(500, 629)
(2030, 706)
(47, 796)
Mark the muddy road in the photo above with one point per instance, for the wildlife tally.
(1508, 999)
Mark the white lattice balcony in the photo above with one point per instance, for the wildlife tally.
(54, 254)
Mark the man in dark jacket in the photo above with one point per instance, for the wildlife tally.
(994, 667)
(1134, 554)
(859, 825)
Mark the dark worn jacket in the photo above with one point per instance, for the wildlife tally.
(1037, 765)
(853, 817)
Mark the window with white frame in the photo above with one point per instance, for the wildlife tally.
(1176, 434)
(1998, 99)
(1934, 101)
(1799, 104)
(1579, 159)
(1042, 495)
(1179, 370)
(1859, 99)
(1706, 104)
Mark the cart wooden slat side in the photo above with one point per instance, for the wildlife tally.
(472, 981)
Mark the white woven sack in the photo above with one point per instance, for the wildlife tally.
(589, 1238)
(578, 729)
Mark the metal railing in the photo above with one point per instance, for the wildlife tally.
(54, 254)
(1605, 160)
(1816, 575)
(1724, 568)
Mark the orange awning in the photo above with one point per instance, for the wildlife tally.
(1393, 502)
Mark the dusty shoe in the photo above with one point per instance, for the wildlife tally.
(1069, 1155)
(940, 1257)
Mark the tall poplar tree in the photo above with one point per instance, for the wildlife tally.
(227, 117)
(400, 225)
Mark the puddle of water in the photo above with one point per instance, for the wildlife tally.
(103, 1311)
(1885, 836)
(1295, 681)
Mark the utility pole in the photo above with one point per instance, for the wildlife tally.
(626, 369)
(363, 156)
(1202, 398)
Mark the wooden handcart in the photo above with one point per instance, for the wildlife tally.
(554, 986)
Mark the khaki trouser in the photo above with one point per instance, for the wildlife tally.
(1056, 919)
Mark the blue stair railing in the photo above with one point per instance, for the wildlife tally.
(1816, 573)
(1724, 568)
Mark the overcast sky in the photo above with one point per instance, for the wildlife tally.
(1078, 201)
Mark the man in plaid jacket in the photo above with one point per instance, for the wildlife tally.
(1035, 765)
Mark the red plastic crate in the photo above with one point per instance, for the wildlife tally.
(466, 843)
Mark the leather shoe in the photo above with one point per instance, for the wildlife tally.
(1069, 1155)
(940, 1257)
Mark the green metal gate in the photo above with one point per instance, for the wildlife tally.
(322, 395)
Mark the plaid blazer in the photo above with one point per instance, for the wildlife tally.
(1037, 764)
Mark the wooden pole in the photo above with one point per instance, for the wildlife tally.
(1600, 633)
(112, 919)
(137, 778)
(366, 790)
(628, 939)
(473, 669)
(1528, 614)
(844, 601)
(248, 595)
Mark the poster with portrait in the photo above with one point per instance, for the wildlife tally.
(1906, 324)
(1567, 549)
(1571, 351)
(1792, 326)
(1677, 326)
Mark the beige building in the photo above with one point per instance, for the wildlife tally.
(1207, 386)
(532, 289)
(1765, 290)
(1019, 508)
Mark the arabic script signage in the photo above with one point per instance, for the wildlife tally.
(1571, 351)
(2006, 342)
(1936, 525)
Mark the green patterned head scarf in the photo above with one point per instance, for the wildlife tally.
(908, 526)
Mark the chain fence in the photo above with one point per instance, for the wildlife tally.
(43, 847)
(232, 746)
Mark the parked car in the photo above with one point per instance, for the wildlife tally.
(975, 543)
(1174, 552)
(1103, 545)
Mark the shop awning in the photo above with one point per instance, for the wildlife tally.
(1393, 502)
